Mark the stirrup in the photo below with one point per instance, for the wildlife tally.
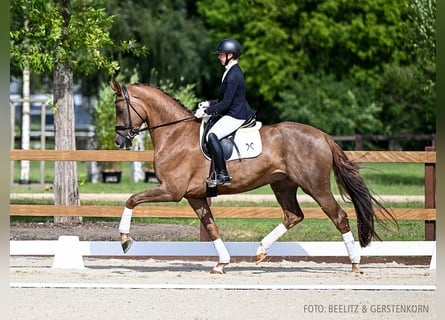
(226, 179)
(220, 179)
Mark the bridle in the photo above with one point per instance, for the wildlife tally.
(134, 131)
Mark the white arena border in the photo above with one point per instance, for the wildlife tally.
(69, 249)
(65, 285)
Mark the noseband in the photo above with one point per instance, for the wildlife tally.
(133, 131)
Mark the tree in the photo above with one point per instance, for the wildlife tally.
(267, 32)
(338, 107)
(407, 92)
(285, 40)
(64, 37)
(177, 40)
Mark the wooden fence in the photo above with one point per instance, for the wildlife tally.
(427, 214)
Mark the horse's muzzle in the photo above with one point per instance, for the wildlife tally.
(122, 142)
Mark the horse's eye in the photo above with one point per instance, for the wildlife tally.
(119, 111)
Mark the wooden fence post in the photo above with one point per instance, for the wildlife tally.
(430, 196)
(358, 142)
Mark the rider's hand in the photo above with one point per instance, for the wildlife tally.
(203, 104)
(201, 112)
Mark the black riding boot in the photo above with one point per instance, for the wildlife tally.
(222, 177)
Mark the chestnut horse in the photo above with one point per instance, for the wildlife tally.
(293, 156)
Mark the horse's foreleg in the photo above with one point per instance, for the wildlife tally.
(158, 194)
(204, 213)
(124, 229)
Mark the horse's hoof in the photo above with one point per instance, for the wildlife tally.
(261, 254)
(218, 269)
(126, 243)
(260, 257)
(356, 268)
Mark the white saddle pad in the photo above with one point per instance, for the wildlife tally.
(248, 141)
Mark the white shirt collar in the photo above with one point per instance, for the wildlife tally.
(228, 66)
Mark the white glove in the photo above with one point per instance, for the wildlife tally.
(204, 104)
(201, 112)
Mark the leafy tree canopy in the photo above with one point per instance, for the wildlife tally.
(282, 39)
(176, 39)
(36, 36)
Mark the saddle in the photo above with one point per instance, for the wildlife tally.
(242, 144)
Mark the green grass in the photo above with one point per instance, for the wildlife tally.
(395, 178)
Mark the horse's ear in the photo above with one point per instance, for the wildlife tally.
(116, 87)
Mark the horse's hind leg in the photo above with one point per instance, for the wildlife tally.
(285, 192)
(204, 213)
(340, 219)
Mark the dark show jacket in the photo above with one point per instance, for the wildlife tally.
(233, 102)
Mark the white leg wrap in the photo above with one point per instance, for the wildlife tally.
(261, 250)
(124, 226)
(273, 236)
(221, 249)
(351, 247)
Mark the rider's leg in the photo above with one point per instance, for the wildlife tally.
(222, 128)
(220, 164)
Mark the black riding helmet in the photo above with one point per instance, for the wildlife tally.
(229, 46)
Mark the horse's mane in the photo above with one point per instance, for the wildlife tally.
(164, 92)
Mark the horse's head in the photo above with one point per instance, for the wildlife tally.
(129, 117)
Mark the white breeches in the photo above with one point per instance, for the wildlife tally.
(225, 126)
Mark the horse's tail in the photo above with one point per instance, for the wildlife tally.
(351, 185)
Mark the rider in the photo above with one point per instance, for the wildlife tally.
(233, 107)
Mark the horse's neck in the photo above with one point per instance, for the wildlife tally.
(162, 108)
(163, 112)
(175, 137)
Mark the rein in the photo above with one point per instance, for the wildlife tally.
(168, 123)
(132, 131)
